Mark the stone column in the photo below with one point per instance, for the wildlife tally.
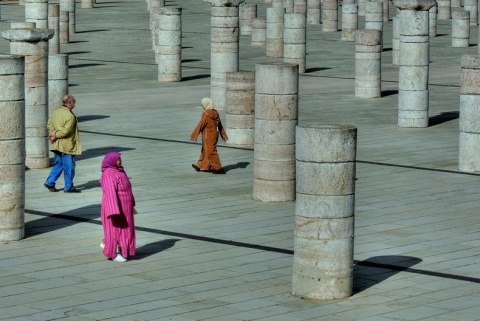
(349, 22)
(472, 7)
(300, 6)
(469, 122)
(276, 116)
(432, 20)
(444, 10)
(413, 62)
(33, 44)
(64, 34)
(240, 109)
(87, 4)
(456, 3)
(224, 46)
(361, 7)
(57, 80)
(374, 18)
(295, 39)
(248, 12)
(259, 32)
(155, 6)
(386, 10)
(275, 27)
(69, 5)
(54, 24)
(395, 39)
(278, 3)
(314, 12)
(170, 44)
(12, 148)
(368, 63)
(460, 29)
(330, 15)
(288, 5)
(37, 11)
(324, 212)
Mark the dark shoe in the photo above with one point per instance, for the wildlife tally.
(73, 190)
(50, 188)
(220, 171)
(195, 167)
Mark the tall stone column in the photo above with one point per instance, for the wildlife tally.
(386, 9)
(432, 20)
(368, 63)
(469, 122)
(472, 7)
(69, 5)
(374, 17)
(87, 4)
(240, 109)
(259, 32)
(330, 15)
(295, 40)
(169, 44)
(54, 23)
(37, 11)
(248, 12)
(289, 5)
(460, 29)
(276, 116)
(224, 46)
(64, 34)
(314, 12)
(395, 39)
(444, 9)
(275, 27)
(12, 148)
(324, 212)
(349, 22)
(57, 80)
(413, 62)
(361, 7)
(33, 44)
(300, 6)
(456, 3)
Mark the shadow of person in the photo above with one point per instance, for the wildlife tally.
(89, 185)
(153, 248)
(237, 165)
(376, 269)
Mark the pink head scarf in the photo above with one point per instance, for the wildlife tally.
(110, 161)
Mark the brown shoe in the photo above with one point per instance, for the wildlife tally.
(196, 168)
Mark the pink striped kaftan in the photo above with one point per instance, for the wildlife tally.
(117, 213)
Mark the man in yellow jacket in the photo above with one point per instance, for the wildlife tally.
(65, 144)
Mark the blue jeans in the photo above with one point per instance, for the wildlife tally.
(62, 163)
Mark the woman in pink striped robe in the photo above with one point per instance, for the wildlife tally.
(117, 210)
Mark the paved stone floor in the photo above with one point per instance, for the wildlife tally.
(206, 249)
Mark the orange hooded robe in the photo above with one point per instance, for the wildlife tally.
(210, 126)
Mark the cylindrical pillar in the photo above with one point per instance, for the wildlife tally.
(57, 80)
(460, 29)
(276, 116)
(386, 9)
(37, 11)
(374, 17)
(240, 109)
(413, 62)
(444, 9)
(469, 121)
(456, 3)
(368, 55)
(300, 6)
(12, 148)
(33, 44)
(349, 21)
(169, 47)
(54, 23)
(274, 37)
(361, 7)
(224, 46)
(324, 212)
(87, 4)
(248, 12)
(314, 12)
(472, 7)
(69, 5)
(432, 20)
(287, 4)
(259, 32)
(295, 39)
(64, 34)
(330, 15)
(395, 39)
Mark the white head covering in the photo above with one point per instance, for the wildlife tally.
(207, 103)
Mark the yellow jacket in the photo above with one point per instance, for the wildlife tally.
(64, 125)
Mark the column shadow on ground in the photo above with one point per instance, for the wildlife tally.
(91, 117)
(443, 117)
(101, 151)
(377, 269)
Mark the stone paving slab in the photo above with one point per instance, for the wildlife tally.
(206, 249)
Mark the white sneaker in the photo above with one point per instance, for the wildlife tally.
(102, 245)
(119, 258)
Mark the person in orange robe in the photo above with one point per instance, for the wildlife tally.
(211, 127)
